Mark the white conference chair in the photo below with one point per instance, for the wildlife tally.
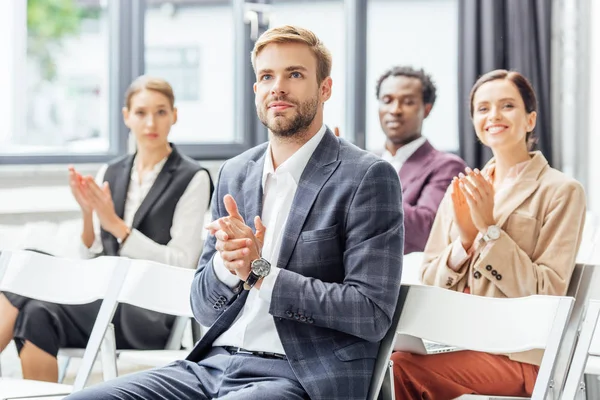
(63, 281)
(157, 287)
(411, 267)
(588, 345)
(487, 324)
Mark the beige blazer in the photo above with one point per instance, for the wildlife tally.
(541, 217)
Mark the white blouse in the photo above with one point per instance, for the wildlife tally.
(185, 246)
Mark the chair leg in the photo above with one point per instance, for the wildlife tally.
(63, 366)
(108, 354)
(387, 387)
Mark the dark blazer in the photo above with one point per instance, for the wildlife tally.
(144, 329)
(425, 176)
(340, 260)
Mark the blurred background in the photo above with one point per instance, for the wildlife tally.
(66, 63)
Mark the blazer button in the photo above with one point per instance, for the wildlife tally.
(223, 299)
(494, 272)
(216, 307)
(236, 289)
(499, 277)
(476, 274)
(296, 316)
(488, 267)
(302, 318)
(310, 320)
(289, 314)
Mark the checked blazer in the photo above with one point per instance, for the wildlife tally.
(341, 261)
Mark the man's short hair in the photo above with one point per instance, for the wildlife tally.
(429, 89)
(295, 34)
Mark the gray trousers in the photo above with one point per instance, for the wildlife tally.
(219, 376)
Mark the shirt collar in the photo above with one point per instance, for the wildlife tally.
(404, 152)
(297, 162)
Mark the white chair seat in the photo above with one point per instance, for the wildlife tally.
(14, 388)
(152, 358)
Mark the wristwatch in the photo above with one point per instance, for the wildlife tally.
(258, 269)
(492, 233)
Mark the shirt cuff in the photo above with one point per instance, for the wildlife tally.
(266, 288)
(223, 273)
(458, 256)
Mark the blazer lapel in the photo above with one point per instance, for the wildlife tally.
(320, 167)
(158, 188)
(413, 167)
(252, 191)
(121, 187)
(524, 186)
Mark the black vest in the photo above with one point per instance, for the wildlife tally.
(154, 218)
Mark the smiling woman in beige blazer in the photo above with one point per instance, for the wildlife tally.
(510, 230)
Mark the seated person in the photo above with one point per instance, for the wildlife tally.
(149, 205)
(406, 97)
(297, 306)
(510, 230)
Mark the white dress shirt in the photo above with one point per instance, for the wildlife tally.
(185, 246)
(403, 153)
(254, 329)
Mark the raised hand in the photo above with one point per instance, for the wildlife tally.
(236, 243)
(462, 216)
(479, 193)
(76, 183)
(101, 200)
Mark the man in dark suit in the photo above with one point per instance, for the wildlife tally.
(406, 97)
(300, 277)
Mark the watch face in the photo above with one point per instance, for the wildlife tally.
(493, 232)
(261, 267)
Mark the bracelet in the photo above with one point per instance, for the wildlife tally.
(122, 241)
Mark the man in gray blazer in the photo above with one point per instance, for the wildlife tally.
(300, 276)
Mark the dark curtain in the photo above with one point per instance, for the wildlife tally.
(507, 34)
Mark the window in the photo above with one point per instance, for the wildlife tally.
(423, 34)
(326, 20)
(191, 45)
(56, 73)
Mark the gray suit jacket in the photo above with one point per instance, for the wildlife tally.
(341, 260)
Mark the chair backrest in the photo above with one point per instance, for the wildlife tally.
(385, 349)
(588, 343)
(158, 287)
(66, 281)
(53, 279)
(487, 324)
(589, 238)
(583, 286)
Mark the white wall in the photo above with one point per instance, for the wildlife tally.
(593, 188)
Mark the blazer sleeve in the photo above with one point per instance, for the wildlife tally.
(364, 303)
(549, 271)
(418, 218)
(435, 270)
(207, 290)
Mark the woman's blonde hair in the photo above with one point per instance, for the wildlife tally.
(145, 82)
(294, 34)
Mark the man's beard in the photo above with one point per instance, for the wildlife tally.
(285, 127)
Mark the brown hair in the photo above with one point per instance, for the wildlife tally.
(145, 82)
(523, 86)
(294, 34)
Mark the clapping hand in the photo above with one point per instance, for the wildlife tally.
(478, 192)
(236, 243)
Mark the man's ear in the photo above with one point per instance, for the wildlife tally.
(174, 115)
(254, 87)
(325, 89)
(427, 109)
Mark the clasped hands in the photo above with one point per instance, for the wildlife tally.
(237, 245)
(473, 204)
(92, 197)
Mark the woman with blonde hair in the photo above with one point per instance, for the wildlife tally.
(510, 230)
(149, 205)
